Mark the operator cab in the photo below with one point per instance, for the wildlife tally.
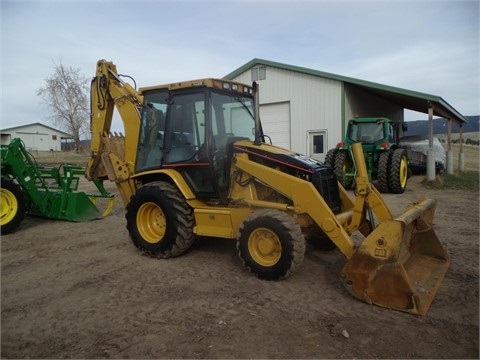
(367, 132)
(192, 129)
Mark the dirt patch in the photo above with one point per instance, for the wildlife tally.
(82, 290)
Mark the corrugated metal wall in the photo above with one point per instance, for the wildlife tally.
(360, 102)
(315, 103)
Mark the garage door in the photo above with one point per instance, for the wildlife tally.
(276, 123)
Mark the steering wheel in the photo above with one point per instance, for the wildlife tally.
(222, 140)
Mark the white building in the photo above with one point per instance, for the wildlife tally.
(35, 136)
(307, 110)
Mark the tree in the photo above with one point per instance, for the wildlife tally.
(66, 95)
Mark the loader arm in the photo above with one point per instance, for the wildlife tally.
(305, 197)
(113, 155)
(307, 200)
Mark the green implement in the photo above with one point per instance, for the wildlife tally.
(50, 192)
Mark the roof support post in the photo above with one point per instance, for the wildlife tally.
(461, 157)
(449, 147)
(431, 150)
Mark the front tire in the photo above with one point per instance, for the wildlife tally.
(13, 206)
(398, 171)
(382, 171)
(159, 220)
(270, 244)
(343, 166)
(330, 157)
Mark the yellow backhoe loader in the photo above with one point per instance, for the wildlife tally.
(193, 160)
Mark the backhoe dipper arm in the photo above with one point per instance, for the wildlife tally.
(113, 156)
(107, 91)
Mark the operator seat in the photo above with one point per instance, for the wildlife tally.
(181, 147)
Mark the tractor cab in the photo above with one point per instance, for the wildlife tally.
(370, 132)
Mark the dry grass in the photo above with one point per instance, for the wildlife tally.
(61, 157)
(465, 136)
(471, 155)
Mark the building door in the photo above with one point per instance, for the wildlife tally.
(275, 120)
(317, 144)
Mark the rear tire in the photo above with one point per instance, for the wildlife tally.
(13, 206)
(159, 220)
(270, 244)
(382, 171)
(398, 171)
(343, 164)
(330, 157)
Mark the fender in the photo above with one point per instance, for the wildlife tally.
(171, 174)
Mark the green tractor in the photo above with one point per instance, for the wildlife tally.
(387, 163)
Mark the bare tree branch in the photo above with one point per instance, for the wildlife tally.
(66, 94)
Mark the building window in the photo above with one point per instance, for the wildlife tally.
(54, 137)
(317, 144)
(259, 73)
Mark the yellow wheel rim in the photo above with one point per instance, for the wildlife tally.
(151, 222)
(264, 247)
(403, 172)
(9, 206)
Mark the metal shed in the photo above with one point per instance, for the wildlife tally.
(307, 110)
(35, 136)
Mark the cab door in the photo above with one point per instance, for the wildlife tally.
(186, 148)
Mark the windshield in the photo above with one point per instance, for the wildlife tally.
(367, 133)
(232, 115)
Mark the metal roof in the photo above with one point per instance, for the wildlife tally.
(407, 99)
(64, 135)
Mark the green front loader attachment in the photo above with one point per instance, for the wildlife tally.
(50, 192)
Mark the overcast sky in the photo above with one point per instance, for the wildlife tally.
(425, 46)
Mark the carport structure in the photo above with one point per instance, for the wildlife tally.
(423, 103)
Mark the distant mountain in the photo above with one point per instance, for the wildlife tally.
(420, 127)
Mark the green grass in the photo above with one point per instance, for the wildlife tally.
(468, 180)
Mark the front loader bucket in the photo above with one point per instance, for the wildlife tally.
(72, 206)
(401, 264)
(80, 208)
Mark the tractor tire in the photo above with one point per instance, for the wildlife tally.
(270, 244)
(159, 220)
(398, 173)
(382, 171)
(343, 163)
(13, 206)
(330, 157)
